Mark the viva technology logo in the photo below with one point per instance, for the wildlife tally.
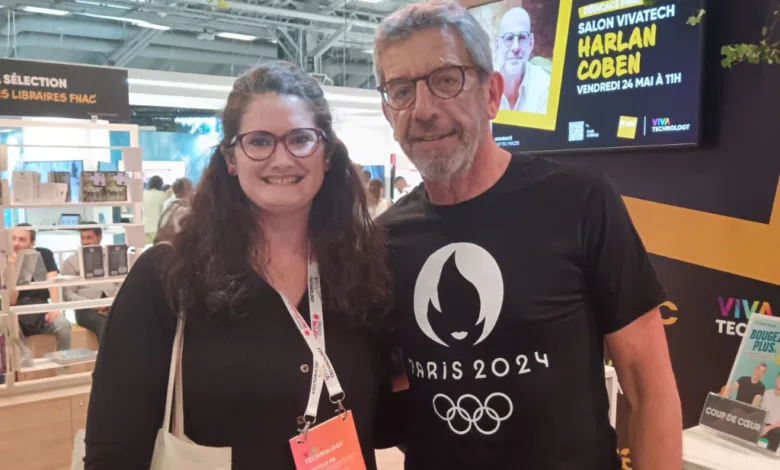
(458, 298)
(664, 124)
(738, 312)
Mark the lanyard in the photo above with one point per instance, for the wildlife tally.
(322, 370)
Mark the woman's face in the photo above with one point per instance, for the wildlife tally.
(281, 183)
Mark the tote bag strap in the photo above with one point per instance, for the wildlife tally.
(174, 376)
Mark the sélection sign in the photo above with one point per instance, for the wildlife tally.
(44, 89)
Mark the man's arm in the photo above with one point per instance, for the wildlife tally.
(757, 400)
(730, 389)
(54, 294)
(71, 268)
(641, 358)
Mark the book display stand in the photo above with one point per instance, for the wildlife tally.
(23, 194)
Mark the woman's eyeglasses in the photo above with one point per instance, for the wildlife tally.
(260, 145)
(445, 83)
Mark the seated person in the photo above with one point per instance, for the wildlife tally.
(39, 323)
(92, 319)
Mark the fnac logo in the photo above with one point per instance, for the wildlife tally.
(736, 312)
(627, 127)
(664, 121)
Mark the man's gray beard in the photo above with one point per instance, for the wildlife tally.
(441, 167)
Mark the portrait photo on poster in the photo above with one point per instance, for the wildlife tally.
(755, 375)
(525, 36)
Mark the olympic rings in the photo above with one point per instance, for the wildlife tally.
(455, 409)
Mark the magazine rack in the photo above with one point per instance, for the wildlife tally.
(134, 238)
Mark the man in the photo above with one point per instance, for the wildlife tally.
(53, 322)
(402, 188)
(749, 389)
(181, 190)
(526, 86)
(771, 403)
(93, 319)
(510, 272)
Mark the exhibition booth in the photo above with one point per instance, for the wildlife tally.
(690, 146)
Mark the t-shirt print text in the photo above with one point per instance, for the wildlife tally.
(458, 297)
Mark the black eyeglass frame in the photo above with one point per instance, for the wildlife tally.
(382, 89)
(509, 43)
(239, 139)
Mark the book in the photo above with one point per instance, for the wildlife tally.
(61, 177)
(3, 352)
(71, 356)
(116, 186)
(24, 185)
(93, 185)
(92, 264)
(117, 260)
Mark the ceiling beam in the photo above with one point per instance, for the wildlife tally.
(127, 51)
(329, 42)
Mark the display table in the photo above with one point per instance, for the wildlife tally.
(705, 449)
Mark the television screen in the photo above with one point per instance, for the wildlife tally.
(581, 75)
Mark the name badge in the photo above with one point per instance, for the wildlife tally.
(331, 445)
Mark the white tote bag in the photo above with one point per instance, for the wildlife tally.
(172, 450)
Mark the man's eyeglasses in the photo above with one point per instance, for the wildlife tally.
(522, 38)
(445, 83)
(260, 145)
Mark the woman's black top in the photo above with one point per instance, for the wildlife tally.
(245, 382)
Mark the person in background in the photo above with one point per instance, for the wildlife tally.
(180, 190)
(154, 198)
(771, 403)
(174, 212)
(526, 86)
(749, 388)
(279, 191)
(54, 322)
(366, 177)
(377, 204)
(503, 319)
(402, 188)
(93, 319)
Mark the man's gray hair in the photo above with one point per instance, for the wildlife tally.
(438, 14)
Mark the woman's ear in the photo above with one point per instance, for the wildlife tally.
(229, 158)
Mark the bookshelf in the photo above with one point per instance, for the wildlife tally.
(12, 156)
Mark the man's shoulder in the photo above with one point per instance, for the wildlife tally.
(544, 174)
(407, 208)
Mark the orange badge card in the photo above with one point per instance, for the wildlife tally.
(333, 445)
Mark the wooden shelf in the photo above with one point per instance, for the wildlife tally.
(75, 227)
(48, 364)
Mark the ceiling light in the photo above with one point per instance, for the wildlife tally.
(371, 1)
(146, 24)
(236, 36)
(45, 11)
(369, 51)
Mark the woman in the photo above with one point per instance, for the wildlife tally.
(154, 198)
(376, 203)
(280, 181)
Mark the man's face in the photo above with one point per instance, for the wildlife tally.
(514, 43)
(90, 238)
(21, 240)
(759, 372)
(440, 136)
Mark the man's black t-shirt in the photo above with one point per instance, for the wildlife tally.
(748, 390)
(501, 307)
(34, 324)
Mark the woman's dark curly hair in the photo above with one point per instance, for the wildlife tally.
(213, 259)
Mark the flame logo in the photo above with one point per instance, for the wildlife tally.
(477, 267)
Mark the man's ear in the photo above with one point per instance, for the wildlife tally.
(494, 89)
